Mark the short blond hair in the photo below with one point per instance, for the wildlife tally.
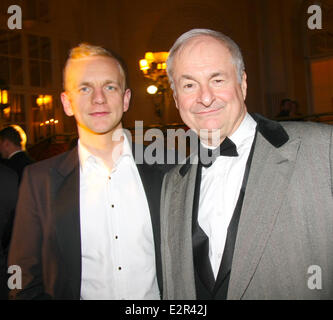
(84, 50)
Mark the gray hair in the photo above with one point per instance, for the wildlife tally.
(233, 48)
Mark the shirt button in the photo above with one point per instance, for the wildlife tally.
(109, 178)
(112, 205)
(116, 237)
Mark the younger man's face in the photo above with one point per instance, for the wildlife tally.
(95, 94)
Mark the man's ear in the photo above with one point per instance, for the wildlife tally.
(244, 85)
(66, 102)
(127, 99)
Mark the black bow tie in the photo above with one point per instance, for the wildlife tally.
(208, 156)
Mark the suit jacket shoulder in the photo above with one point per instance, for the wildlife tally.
(63, 162)
(310, 132)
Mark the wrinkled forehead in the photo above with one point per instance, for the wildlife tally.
(202, 49)
(82, 69)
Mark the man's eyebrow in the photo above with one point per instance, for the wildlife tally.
(218, 74)
(187, 77)
(85, 83)
(111, 81)
(213, 75)
(90, 84)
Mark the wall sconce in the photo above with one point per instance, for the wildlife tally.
(43, 100)
(49, 122)
(4, 97)
(47, 127)
(4, 102)
(153, 67)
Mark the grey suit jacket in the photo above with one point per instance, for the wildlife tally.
(284, 244)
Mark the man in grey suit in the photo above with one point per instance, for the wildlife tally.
(256, 221)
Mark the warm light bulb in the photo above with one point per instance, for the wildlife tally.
(152, 89)
(4, 97)
(39, 101)
(149, 56)
(47, 99)
(144, 64)
(6, 111)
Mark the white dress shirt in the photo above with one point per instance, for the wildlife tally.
(118, 256)
(219, 191)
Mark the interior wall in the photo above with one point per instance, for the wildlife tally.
(322, 85)
(270, 34)
(158, 25)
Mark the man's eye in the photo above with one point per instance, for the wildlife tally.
(218, 81)
(188, 85)
(84, 89)
(110, 87)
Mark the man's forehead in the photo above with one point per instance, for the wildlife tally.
(203, 54)
(200, 51)
(202, 44)
(82, 64)
(82, 69)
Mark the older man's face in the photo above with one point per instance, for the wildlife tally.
(207, 92)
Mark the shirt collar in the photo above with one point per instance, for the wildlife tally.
(85, 155)
(127, 148)
(245, 130)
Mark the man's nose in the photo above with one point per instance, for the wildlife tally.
(99, 96)
(206, 95)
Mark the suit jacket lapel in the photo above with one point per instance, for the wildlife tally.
(151, 179)
(223, 277)
(271, 169)
(66, 208)
(179, 229)
(200, 242)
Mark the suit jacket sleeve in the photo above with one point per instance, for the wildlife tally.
(25, 248)
(8, 197)
(331, 159)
